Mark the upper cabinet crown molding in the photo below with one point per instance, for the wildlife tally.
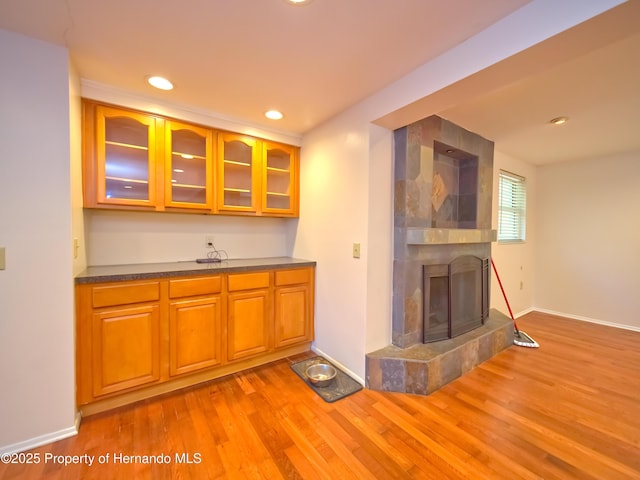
(142, 161)
(110, 95)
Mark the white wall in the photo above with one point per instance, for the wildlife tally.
(79, 250)
(587, 240)
(36, 289)
(333, 216)
(516, 262)
(119, 237)
(379, 239)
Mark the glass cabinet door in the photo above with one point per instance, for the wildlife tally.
(279, 179)
(126, 157)
(188, 162)
(238, 170)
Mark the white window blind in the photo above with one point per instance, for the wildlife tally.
(512, 199)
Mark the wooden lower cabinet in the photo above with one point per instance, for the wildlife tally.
(194, 335)
(138, 339)
(249, 324)
(126, 349)
(292, 323)
(293, 306)
(249, 317)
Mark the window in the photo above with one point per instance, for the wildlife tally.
(512, 199)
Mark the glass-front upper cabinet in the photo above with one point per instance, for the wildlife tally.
(188, 166)
(238, 172)
(279, 179)
(125, 157)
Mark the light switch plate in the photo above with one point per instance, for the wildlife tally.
(2, 259)
(356, 250)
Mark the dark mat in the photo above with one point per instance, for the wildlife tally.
(342, 386)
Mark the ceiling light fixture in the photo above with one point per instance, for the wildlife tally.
(559, 120)
(159, 82)
(273, 115)
(298, 3)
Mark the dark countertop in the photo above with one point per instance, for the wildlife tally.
(118, 273)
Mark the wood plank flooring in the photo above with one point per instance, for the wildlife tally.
(567, 410)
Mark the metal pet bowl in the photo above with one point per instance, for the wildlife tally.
(321, 374)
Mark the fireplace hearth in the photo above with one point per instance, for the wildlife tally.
(441, 323)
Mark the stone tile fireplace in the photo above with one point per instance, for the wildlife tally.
(441, 322)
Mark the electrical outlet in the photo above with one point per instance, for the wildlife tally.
(3, 264)
(208, 241)
(356, 250)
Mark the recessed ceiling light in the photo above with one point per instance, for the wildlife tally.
(559, 120)
(273, 115)
(159, 82)
(298, 3)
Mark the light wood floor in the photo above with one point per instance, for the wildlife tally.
(569, 409)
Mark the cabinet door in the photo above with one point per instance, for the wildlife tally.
(194, 335)
(279, 180)
(125, 348)
(238, 173)
(188, 166)
(293, 321)
(125, 157)
(248, 324)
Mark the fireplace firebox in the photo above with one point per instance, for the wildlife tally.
(455, 297)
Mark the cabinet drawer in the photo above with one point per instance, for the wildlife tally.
(125, 293)
(248, 281)
(292, 277)
(190, 287)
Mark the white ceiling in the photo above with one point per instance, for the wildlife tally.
(239, 58)
(590, 74)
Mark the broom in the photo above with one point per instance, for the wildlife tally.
(519, 338)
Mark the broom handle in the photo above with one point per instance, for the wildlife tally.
(504, 294)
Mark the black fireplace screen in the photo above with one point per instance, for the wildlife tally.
(455, 297)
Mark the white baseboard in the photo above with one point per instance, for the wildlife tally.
(587, 319)
(524, 312)
(338, 364)
(43, 439)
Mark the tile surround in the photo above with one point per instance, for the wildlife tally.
(418, 147)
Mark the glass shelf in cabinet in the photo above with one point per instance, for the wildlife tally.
(237, 190)
(126, 145)
(185, 185)
(278, 171)
(278, 194)
(126, 188)
(235, 163)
